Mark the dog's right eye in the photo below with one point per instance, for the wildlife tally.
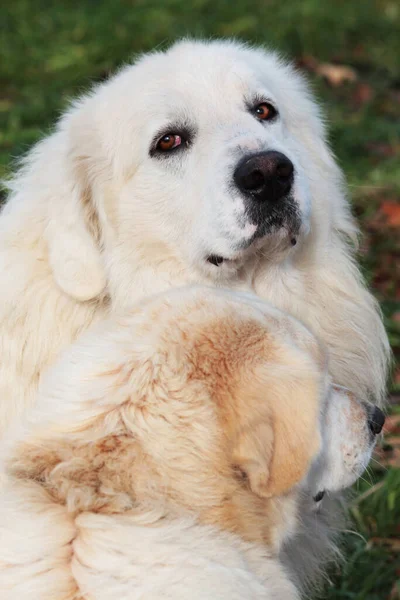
(172, 138)
(168, 142)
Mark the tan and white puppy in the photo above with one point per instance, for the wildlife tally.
(167, 454)
(206, 163)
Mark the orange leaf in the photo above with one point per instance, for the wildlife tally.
(395, 592)
(391, 210)
(392, 543)
(362, 94)
(392, 424)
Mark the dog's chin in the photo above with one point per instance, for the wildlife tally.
(336, 478)
(272, 243)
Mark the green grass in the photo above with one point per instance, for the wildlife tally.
(51, 51)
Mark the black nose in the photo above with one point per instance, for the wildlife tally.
(265, 177)
(376, 420)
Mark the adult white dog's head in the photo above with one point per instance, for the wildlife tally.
(209, 153)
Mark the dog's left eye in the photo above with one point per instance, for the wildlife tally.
(169, 142)
(265, 111)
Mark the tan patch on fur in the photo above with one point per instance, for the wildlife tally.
(98, 476)
(229, 357)
(235, 360)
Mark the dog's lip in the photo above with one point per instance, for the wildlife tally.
(236, 256)
(215, 259)
(246, 248)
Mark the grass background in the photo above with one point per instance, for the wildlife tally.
(50, 51)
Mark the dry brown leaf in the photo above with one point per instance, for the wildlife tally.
(362, 94)
(392, 425)
(395, 592)
(391, 210)
(392, 543)
(383, 149)
(336, 74)
(307, 62)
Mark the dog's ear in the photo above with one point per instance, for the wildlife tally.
(278, 424)
(252, 453)
(72, 224)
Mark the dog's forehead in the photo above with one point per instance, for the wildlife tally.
(190, 76)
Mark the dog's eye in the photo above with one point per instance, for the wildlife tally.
(265, 111)
(169, 142)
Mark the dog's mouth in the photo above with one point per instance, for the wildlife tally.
(217, 260)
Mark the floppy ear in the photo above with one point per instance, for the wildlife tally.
(74, 253)
(278, 431)
(74, 258)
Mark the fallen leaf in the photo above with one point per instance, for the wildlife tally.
(336, 75)
(392, 425)
(362, 94)
(307, 62)
(395, 591)
(383, 150)
(392, 543)
(391, 210)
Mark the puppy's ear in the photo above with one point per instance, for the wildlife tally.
(74, 253)
(278, 432)
(252, 454)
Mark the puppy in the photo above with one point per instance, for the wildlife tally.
(167, 454)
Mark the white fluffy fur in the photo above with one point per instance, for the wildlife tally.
(126, 556)
(94, 223)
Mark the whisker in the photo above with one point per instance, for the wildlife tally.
(382, 466)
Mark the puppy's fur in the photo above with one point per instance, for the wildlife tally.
(96, 220)
(166, 455)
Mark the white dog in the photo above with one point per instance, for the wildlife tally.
(206, 163)
(167, 453)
